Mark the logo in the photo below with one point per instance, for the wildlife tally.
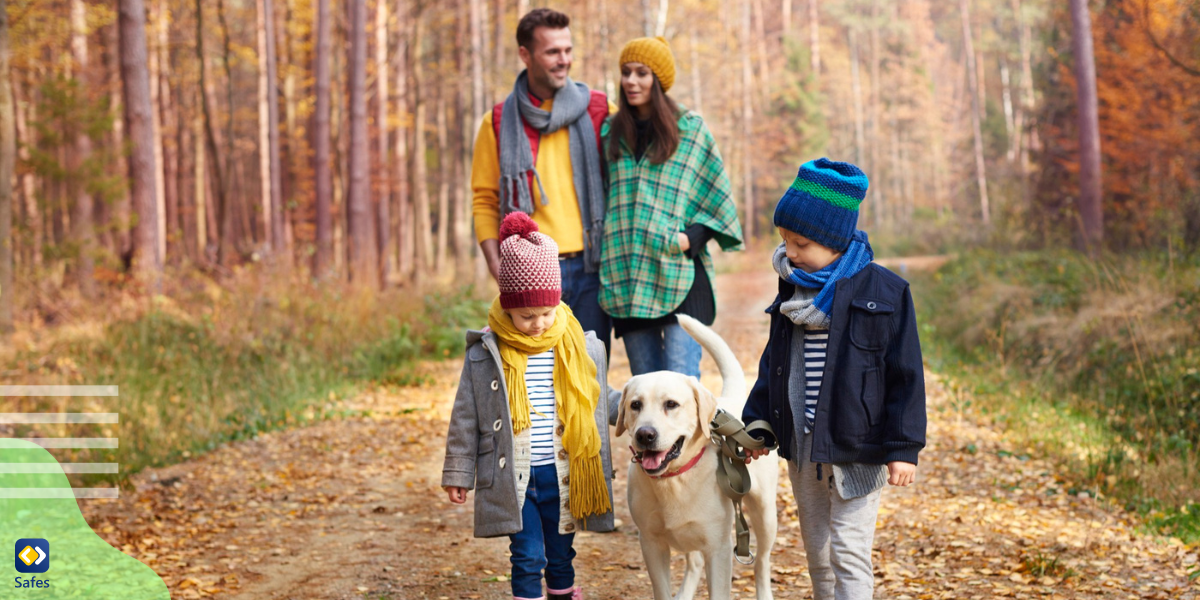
(32, 555)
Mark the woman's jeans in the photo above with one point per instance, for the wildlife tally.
(538, 545)
(666, 348)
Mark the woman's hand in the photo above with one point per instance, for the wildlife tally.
(457, 495)
(753, 454)
(685, 243)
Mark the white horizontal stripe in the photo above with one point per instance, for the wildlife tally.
(59, 417)
(51, 442)
(54, 493)
(58, 390)
(58, 467)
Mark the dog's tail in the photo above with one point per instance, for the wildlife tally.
(733, 380)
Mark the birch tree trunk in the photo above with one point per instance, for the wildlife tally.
(81, 220)
(973, 84)
(264, 133)
(323, 259)
(8, 152)
(213, 144)
(443, 208)
(1090, 187)
(136, 79)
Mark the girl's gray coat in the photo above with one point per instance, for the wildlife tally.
(480, 450)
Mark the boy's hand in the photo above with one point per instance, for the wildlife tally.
(685, 243)
(901, 473)
(457, 495)
(753, 454)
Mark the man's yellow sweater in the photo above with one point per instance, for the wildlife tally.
(558, 219)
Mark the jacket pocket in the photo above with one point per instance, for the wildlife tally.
(485, 465)
(871, 397)
(870, 323)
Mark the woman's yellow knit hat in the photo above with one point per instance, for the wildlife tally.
(654, 53)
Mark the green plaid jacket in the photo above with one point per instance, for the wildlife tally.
(643, 272)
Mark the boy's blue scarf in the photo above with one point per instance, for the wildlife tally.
(817, 311)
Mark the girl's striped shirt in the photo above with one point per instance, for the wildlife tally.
(539, 384)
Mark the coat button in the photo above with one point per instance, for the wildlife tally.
(562, 454)
(497, 425)
(559, 431)
(569, 527)
(502, 461)
(495, 385)
(779, 370)
(776, 414)
(871, 306)
(567, 480)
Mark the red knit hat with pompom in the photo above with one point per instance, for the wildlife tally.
(529, 274)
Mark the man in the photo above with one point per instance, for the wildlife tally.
(538, 152)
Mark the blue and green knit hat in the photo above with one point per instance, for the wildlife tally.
(822, 203)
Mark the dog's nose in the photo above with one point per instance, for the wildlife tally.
(646, 436)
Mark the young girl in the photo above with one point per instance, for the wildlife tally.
(668, 194)
(529, 431)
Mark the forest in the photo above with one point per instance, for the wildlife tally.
(255, 217)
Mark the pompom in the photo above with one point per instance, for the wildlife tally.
(517, 223)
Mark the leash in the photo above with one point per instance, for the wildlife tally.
(730, 435)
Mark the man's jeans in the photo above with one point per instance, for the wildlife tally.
(581, 291)
(666, 348)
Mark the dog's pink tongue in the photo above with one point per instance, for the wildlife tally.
(652, 460)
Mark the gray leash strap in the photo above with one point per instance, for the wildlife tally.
(730, 436)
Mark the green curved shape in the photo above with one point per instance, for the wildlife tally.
(82, 564)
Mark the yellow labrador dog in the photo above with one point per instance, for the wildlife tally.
(673, 493)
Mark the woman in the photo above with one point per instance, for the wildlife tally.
(668, 194)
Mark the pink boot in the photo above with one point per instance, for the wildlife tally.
(574, 593)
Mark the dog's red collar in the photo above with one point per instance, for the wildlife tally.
(691, 463)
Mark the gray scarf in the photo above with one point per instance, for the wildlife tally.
(516, 157)
(801, 309)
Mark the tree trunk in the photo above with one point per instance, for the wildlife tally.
(647, 19)
(814, 38)
(383, 221)
(8, 155)
(660, 23)
(403, 225)
(360, 226)
(1090, 189)
(264, 126)
(160, 194)
(323, 259)
(785, 15)
(500, 52)
(120, 239)
(81, 220)
(694, 67)
(747, 124)
(1027, 98)
(423, 238)
(856, 88)
(443, 150)
(169, 122)
(1009, 116)
(132, 22)
(33, 216)
(877, 193)
(225, 211)
(462, 100)
(973, 84)
(213, 144)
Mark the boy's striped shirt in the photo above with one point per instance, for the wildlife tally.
(816, 342)
(539, 385)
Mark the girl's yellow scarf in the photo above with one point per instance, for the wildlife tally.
(576, 393)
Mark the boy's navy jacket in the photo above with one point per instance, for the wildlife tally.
(871, 408)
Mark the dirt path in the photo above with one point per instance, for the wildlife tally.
(352, 509)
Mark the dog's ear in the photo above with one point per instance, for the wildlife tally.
(621, 409)
(706, 406)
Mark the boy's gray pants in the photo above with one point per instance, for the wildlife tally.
(838, 534)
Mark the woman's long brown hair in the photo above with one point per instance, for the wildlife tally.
(664, 127)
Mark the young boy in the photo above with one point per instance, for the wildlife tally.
(529, 431)
(840, 381)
